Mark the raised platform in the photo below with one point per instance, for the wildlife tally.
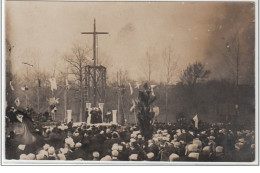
(77, 124)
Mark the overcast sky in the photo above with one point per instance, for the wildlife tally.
(195, 31)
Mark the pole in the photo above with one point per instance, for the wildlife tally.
(26, 96)
(27, 76)
(39, 85)
(65, 101)
(149, 72)
(237, 87)
(135, 118)
(118, 96)
(166, 103)
(237, 60)
(94, 57)
(53, 118)
(26, 102)
(97, 49)
(38, 98)
(122, 110)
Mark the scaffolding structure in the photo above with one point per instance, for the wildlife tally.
(95, 88)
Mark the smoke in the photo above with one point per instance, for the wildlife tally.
(10, 94)
(195, 30)
(235, 21)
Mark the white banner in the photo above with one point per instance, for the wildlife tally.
(69, 115)
(53, 83)
(156, 111)
(152, 89)
(131, 89)
(114, 116)
(11, 86)
(17, 102)
(53, 101)
(67, 84)
(196, 121)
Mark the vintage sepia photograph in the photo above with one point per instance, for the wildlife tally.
(130, 82)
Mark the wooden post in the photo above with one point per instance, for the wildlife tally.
(166, 103)
(118, 96)
(65, 102)
(38, 99)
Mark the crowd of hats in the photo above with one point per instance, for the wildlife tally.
(127, 144)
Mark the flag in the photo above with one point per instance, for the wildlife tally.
(131, 89)
(19, 117)
(152, 87)
(67, 84)
(53, 83)
(17, 102)
(196, 120)
(156, 111)
(11, 86)
(54, 110)
(137, 85)
(133, 106)
(53, 101)
(25, 88)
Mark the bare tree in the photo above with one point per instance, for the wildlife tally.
(190, 77)
(232, 59)
(148, 66)
(35, 81)
(77, 62)
(193, 73)
(170, 64)
(10, 95)
(38, 88)
(232, 56)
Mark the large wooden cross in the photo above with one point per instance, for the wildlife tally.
(94, 33)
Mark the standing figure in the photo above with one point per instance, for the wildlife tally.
(108, 117)
(96, 116)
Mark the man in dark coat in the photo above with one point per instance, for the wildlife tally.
(114, 139)
(123, 154)
(96, 116)
(77, 153)
(153, 149)
(70, 124)
(108, 117)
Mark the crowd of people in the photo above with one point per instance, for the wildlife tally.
(212, 143)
